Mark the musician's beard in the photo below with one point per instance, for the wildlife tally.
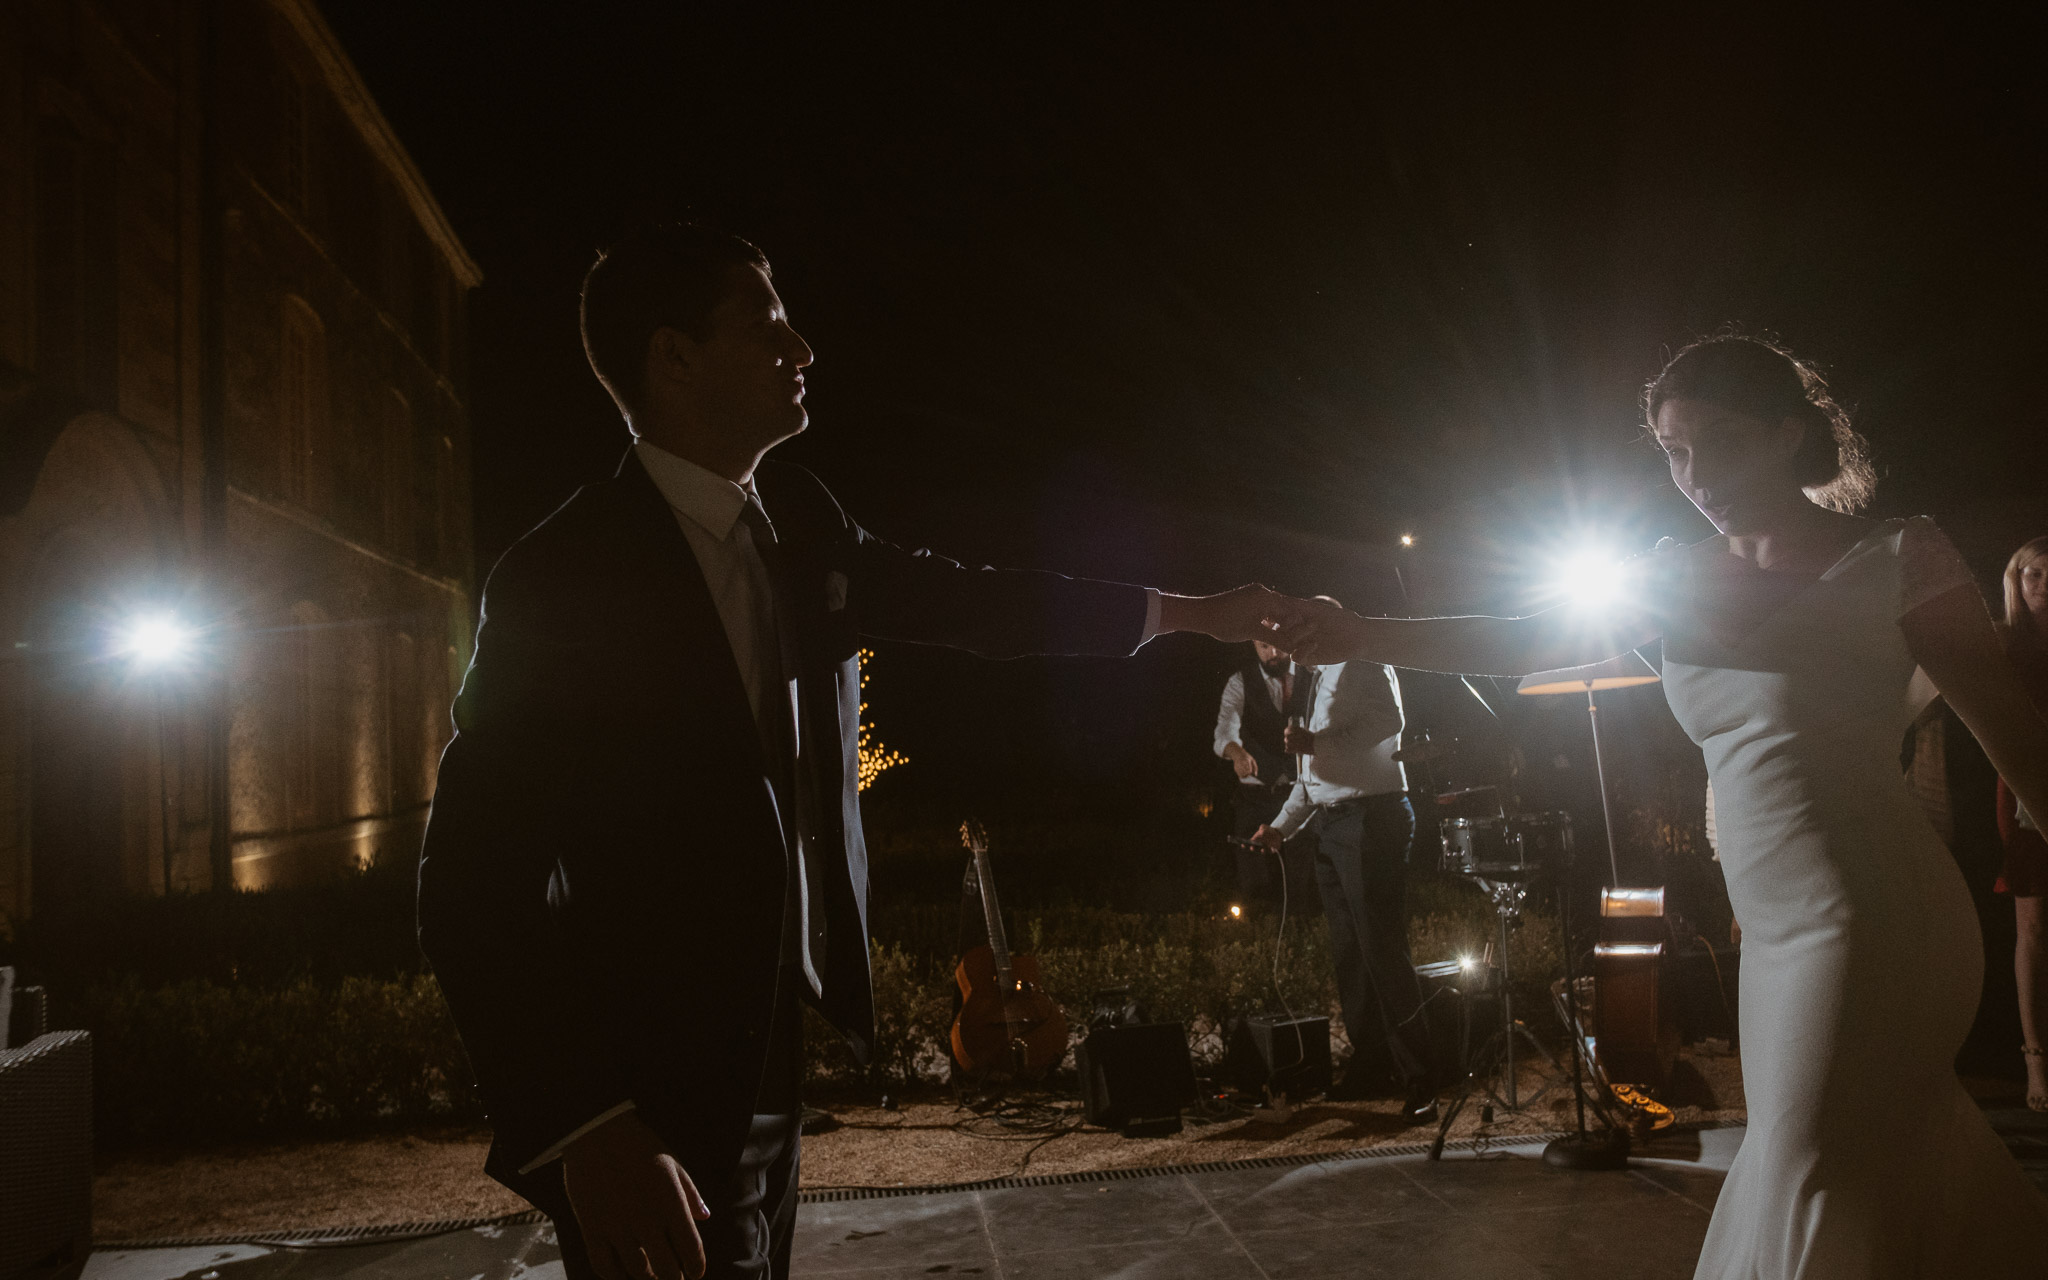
(1277, 667)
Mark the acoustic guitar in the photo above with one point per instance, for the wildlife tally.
(1006, 1022)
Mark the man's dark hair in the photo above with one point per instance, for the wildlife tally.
(665, 274)
(1759, 378)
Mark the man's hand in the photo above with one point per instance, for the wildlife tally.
(1267, 838)
(637, 1207)
(1241, 760)
(1248, 613)
(1299, 742)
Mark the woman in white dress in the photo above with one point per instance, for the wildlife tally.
(1789, 643)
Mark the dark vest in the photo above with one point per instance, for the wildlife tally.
(1264, 727)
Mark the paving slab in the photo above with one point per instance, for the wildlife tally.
(1498, 1214)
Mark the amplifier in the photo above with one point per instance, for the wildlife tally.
(1449, 992)
(1136, 1076)
(1290, 1056)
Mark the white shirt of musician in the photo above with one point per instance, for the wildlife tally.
(1355, 714)
(1230, 711)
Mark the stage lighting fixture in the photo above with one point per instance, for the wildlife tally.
(1236, 912)
(1589, 579)
(1467, 963)
(156, 640)
(1407, 539)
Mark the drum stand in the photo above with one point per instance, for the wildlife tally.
(1492, 1066)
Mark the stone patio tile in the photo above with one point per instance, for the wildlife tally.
(1153, 1210)
(1312, 1197)
(1523, 1183)
(906, 1235)
(1215, 1258)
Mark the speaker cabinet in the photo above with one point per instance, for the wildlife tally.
(1290, 1056)
(1136, 1076)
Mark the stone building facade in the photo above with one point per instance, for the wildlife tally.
(232, 394)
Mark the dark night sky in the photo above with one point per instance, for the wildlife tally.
(1128, 291)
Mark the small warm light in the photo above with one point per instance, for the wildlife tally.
(1236, 912)
(156, 641)
(1407, 539)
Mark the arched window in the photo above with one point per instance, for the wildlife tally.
(397, 495)
(302, 402)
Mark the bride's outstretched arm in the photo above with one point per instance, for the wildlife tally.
(1951, 638)
(1475, 646)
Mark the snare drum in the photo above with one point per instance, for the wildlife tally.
(1542, 839)
(1475, 846)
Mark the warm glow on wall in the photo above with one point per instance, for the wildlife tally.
(874, 757)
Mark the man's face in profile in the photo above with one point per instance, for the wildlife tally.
(1274, 661)
(747, 374)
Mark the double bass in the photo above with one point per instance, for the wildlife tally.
(1006, 1021)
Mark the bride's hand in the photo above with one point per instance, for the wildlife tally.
(1249, 613)
(1312, 632)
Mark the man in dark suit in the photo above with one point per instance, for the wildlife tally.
(646, 846)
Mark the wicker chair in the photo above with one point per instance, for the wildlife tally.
(46, 1155)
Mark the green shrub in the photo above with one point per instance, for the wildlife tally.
(199, 1061)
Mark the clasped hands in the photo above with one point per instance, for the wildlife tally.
(1310, 630)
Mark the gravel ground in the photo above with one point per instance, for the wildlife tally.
(927, 1140)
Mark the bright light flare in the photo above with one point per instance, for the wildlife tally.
(1236, 912)
(1467, 963)
(1407, 539)
(156, 640)
(1589, 579)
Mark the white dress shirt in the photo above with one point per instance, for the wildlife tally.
(1230, 712)
(1355, 714)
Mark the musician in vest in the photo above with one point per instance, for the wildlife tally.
(645, 851)
(1260, 699)
(1352, 798)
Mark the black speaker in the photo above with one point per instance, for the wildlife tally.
(1290, 1056)
(1136, 1076)
(1445, 1004)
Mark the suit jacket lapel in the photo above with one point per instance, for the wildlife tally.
(679, 607)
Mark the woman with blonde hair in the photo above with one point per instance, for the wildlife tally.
(2025, 632)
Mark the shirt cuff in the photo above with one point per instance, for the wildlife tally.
(1151, 617)
(555, 1152)
(1293, 815)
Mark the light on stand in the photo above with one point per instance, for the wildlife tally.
(1583, 1150)
(1236, 912)
(1589, 579)
(155, 640)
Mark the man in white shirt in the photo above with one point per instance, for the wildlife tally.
(1352, 799)
(1250, 732)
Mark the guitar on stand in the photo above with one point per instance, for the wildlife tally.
(1006, 1024)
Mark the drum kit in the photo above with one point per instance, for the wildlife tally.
(1505, 855)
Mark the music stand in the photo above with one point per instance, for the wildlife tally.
(1582, 1150)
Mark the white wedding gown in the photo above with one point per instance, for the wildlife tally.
(1861, 956)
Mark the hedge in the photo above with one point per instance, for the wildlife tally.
(194, 1060)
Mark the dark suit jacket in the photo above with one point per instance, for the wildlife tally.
(601, 889)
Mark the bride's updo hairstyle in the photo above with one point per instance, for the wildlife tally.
(1760, 379)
